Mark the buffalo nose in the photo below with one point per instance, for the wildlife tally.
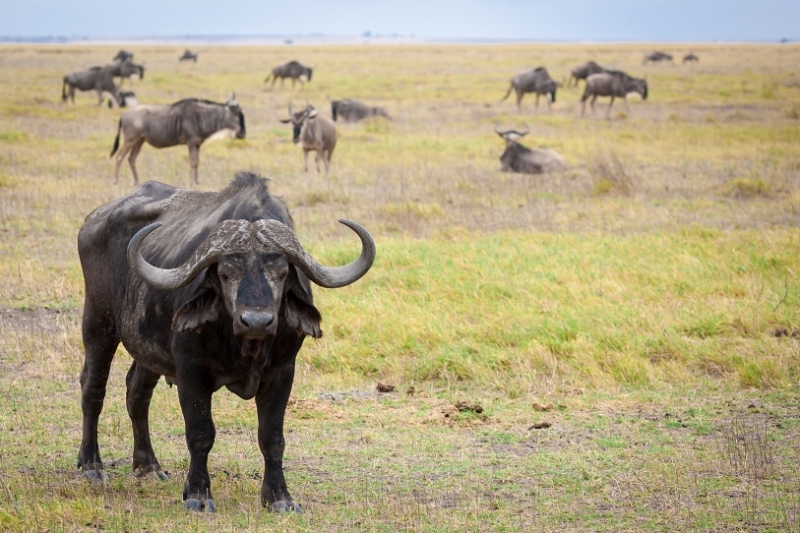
(256, 321)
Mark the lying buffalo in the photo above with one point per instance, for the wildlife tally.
(353, 111)
(518, 158)
(96, 79)
(219, 296)
(188, 122)
(315, 133)
(293, 70)
(615, 84)
(536, 81)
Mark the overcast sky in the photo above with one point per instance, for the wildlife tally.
(639, 20)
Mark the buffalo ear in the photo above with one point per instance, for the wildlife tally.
(202, 307)
(298, 309)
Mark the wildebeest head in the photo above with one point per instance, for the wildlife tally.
(514, 150)
(309, 69)
(250, 274)
(640, 86)
(298, 119)
(234, 117)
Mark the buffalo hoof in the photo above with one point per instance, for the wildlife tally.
(95, 476)
(283, 507)
(196, 504)
(151, 472)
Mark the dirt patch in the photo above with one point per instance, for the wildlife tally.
(38, 320)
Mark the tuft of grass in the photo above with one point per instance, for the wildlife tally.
(610, 175)
(745, 188)
(13, 136)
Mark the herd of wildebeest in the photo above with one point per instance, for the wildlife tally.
(192, 121)
(213, 289)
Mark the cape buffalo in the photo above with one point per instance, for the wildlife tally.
(220, 296)
(95, 79)
(581, 72)
(188, 122)
(615, 84)
(293, 70)
(536, 81)
(188, 55)
(353, 111)
(690, 58)
(518, 158)
(657, 57)
(124, 69)
(315, 133)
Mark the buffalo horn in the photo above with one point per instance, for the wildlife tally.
(276, 236)
(230, 236)
(241, 236)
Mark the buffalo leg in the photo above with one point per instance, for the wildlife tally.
(194, 393)
(100, 341)
(141, 383)
(132, 158)
(194, 161)
(271, 400)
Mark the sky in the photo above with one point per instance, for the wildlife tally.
(570, 20)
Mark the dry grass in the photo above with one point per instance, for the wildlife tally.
(638, 293)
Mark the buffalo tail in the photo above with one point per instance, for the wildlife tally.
(116, 141)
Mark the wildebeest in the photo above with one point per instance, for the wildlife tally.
(657, 57)
(690, 58)
(123, 55)
(615, 84)
(536, 81)
(518, 158)
(353, 111)
(220, 296)
(124, 69)
(95, 79)
(128, 99)
(188, 55)
(315, 133)
(293, 70)
(581, 72)
(188, 122)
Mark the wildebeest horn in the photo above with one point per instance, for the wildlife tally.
(241, 236)
(274, 235)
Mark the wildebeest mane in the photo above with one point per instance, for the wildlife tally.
(186, 101)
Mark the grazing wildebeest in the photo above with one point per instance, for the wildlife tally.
(188, 55)
(95, 79)
(125, 69)
(581, 72)
(615, 84)
(128, 99)
(518, 158)
(293, 70)
(123, 55)
(657, 57)
(353, 111)
(188, 122)
(315, 133)
(690, 58)
(220, 296)
(536, 81)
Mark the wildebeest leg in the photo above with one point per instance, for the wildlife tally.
(194, 161)
(271, 401)
(627, 104)
(305, 160)
(282, 81)
(608, 111)
(132, 158)
(99, 96)
(520, 94)
(327, 160)
(100, 341)
(293, 80)
(72, 93)
(319, 153)
(121, 156)
(194, 393)
(594, 97)
(537, 102)
(141, 383)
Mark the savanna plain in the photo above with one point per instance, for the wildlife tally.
(621, 339)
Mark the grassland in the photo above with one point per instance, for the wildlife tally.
(642, 304)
